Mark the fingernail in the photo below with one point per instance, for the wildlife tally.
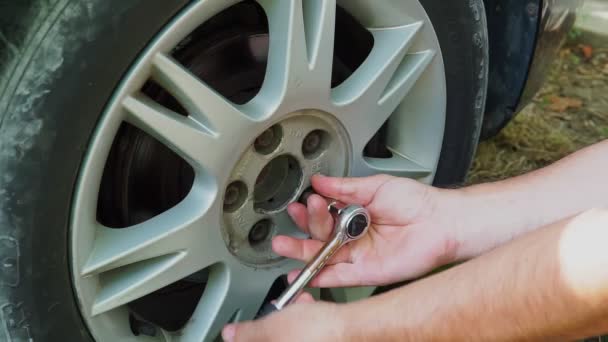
(228, 332)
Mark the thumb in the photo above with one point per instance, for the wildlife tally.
(349, 190)
(246, 331)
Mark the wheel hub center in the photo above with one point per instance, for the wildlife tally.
(277, 183)
(271, 173)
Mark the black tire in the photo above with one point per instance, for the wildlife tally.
(64, 60)
(463, 36)
(60, 62)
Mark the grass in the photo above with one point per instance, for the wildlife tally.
(569, 113)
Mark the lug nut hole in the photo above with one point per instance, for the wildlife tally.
(235, 196)
(315, 143)
(269, 140)
(260, 232)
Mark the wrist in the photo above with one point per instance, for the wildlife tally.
(330, 318)
(477, 219)
(343, 322)
(397, 315)
(490, 215)
(349, 317)
(366, 320)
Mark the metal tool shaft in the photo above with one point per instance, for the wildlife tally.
(311, 269)
(351, 223)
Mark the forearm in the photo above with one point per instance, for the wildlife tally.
(495, 213)
(550, 284)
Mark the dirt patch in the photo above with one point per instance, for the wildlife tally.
(569, 113)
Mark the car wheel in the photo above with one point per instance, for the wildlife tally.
(148, 149)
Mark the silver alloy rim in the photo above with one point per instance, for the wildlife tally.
(331, 159)
(401, 79)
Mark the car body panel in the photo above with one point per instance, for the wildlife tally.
(558, 18)
(525, 36)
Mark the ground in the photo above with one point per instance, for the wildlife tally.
(569, 113)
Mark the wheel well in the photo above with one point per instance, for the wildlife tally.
(512, 28)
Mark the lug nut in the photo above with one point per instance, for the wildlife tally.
(265, 139)
(312, 143)
(269, 140)
(236, 193)
(232, 195)
(259, 232)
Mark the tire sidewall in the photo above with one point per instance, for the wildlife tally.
(463, 37)
(76, 56)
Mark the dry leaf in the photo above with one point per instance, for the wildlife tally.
(561, 104)
(587, 50)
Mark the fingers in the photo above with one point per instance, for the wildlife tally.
(338, 275)
(299, 215)
(304, 250)
(304, 297)
(313, 219)
(349, 190)
(247, 331)
(229, 332)
(263, 329)
(320, 222)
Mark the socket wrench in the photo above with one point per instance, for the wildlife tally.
(351, 223)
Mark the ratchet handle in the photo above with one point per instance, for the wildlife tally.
(266, 310)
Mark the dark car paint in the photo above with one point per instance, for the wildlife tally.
(525, 35)
(512, 29)
(558, 17)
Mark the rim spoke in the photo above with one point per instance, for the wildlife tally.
(183, 135)
(372, 93)
(204, 105)
(319, 25)
(163, 234)
(371, 78)
(287, 62)
(140, 259)
(405, 77)
(126, 284)
(397, 165)
(300, 52)
(229, 294)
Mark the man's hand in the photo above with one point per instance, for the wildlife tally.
(558, 293)
(304, 320)
(409, 236)
(417, 227)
